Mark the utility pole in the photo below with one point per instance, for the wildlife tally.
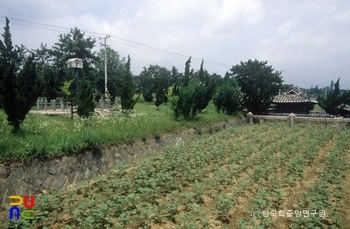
(105, 45)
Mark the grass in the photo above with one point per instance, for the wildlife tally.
(249, 176)
(317, 108)
(44, 136)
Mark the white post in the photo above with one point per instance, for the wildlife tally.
(101, 104)
(105, 45)
(108, 103)
(291, 119)
(62, 104)
(54, 104)
(250, 118)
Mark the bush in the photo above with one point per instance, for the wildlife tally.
(228, 98)
(184, 102)
(86, 104)
(128, 91)
(147, 95)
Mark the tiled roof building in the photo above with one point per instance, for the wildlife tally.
(344, 110)
(294, 101)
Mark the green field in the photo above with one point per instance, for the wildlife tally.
(250, 176)
(44, 136)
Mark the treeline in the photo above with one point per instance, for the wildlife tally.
(26, 74)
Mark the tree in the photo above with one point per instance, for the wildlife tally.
(67, 89)
(188, 73)
(20, 89)
(115, 70)
(161, 84)
(175, 76)
(49, 76)
(331, 104)
(145, 81)
(182, 102)
(74, 45)
(128, 91)
(228, 97)
(182, 98)
(185, 97)
(204, 90)
(258, 82)
(147, 95)
(86, 104)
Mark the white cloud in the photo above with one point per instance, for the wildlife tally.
(306, 38)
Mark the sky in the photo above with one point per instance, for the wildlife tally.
(307, 40)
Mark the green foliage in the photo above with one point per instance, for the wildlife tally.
(182, 103)
(204, 91)
(86, 104)
(161, 83)
(191, 96)
(147, 95)
(49, 75)
(228, 97)
(48, 136)
(26, 88)
(175, 76)
(203, 184)
(128, 91)
(74, 45)
(154, 79)
(145, 81)
(334, 100)
(115, 71)
(19, 90)
(67, 88)
(258, 82)
(188, 73)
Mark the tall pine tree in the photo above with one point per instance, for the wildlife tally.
(332, 103)
(86, 104)
(128, 91)
(19, 90)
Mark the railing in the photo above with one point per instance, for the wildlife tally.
(292, 119)
(43, 104)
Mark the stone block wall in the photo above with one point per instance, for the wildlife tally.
(32, 179)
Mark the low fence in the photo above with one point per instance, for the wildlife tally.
(43, 104)
(293, 119)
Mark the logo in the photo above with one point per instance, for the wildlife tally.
(25, 213)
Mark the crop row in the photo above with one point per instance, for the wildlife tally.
(216, 180)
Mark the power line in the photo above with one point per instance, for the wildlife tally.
(121, 40)
(290, 74)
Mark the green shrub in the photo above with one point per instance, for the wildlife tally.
(86, 104)
(228, 98)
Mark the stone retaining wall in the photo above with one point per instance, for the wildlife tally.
(32, 179)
